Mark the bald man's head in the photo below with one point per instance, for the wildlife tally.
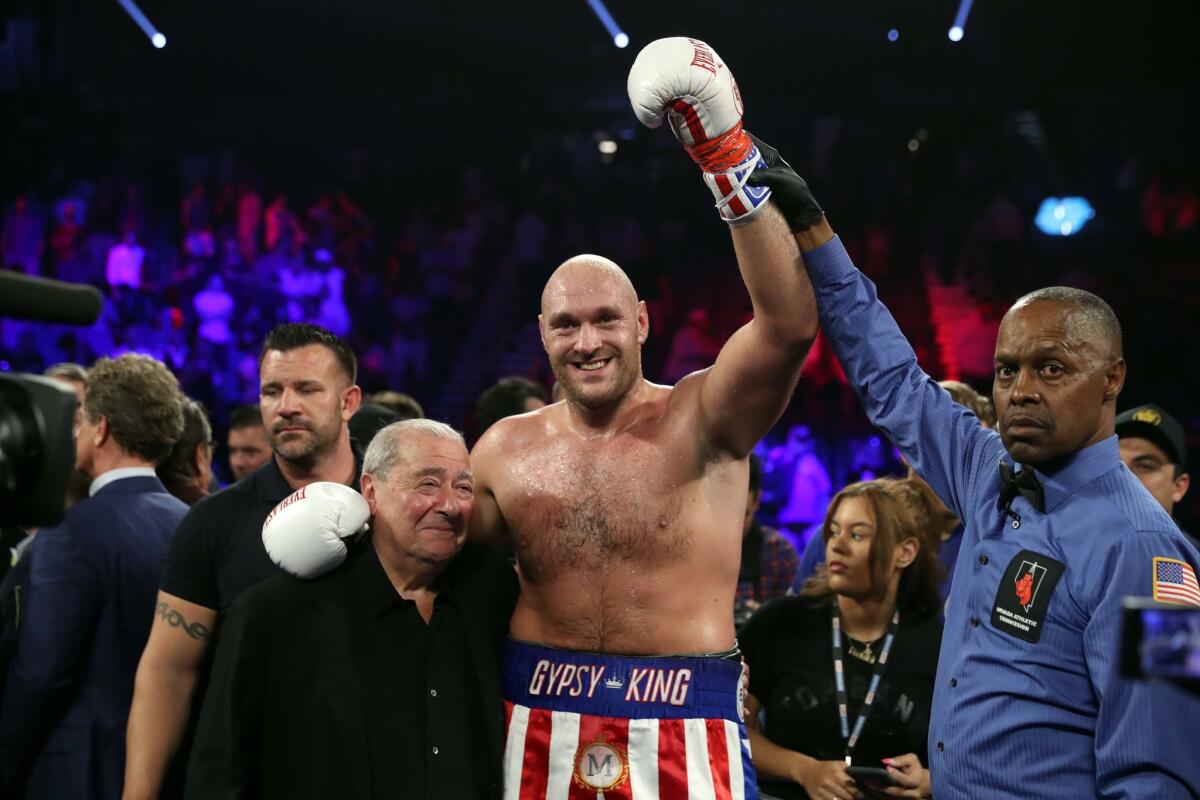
(588, 273)
(593, 328)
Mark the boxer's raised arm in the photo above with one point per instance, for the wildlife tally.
(685, 82)
(752, 381)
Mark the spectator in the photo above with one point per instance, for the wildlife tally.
(124, 263)
(693, 347)
(948, 528)
(408, 632)
(89, 599)
(249, 447)
(368, 421)
(404, 405)
(505, 398)
(214, 306)
(74, 376)
(187, 472)
(978, 404)
(1153, 447)
(21, 238)
(308, 394)
(769, 561)
(880, 597)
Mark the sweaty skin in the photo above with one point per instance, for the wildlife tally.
(625, 501)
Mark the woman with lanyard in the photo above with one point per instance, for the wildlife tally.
(843, 673)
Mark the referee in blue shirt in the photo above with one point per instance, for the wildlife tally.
(1029, 702)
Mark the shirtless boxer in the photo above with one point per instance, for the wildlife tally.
(624, 502)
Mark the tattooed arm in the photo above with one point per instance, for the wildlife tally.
(162, 695)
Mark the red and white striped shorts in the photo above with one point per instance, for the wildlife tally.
(687, 742)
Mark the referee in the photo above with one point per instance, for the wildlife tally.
(1029, 702)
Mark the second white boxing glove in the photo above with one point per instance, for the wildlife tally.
(305, 533)
(686, 81)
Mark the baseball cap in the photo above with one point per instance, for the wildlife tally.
(1151, 422)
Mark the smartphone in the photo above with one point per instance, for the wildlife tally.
(876, 775)
(1161, 641)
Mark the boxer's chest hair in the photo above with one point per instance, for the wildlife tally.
(598, 508)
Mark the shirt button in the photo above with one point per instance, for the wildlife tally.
(983, 560)
(974, 622)
(953, 682)
(941, 747)
(433, 692)
(435, 751)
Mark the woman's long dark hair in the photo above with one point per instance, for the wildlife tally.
(903, 508)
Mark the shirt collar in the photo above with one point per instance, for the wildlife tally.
(1078, 470)
(372, 585)
(374, 588)
(273, 487)
(117, 474)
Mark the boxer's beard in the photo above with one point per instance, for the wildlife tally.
(303, 451)
(598, 398)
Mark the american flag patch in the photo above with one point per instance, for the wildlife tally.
(1175, 582)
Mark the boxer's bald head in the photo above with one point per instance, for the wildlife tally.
(584, 274)
(593, 328)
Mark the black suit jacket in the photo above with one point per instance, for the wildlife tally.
(283, 716)
(86, 605)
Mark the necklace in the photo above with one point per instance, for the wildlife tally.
(862, 650)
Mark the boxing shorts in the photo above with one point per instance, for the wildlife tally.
(590, 725)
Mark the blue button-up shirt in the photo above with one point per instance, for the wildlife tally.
(1014, 718)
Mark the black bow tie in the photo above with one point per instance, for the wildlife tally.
(1024, 483)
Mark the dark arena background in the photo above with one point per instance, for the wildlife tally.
(409, 174)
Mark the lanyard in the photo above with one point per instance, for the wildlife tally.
(851, 739)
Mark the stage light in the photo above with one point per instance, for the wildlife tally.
(913, 145)
(619, 37)
(156, 37)
(1063, 216)
(893, 35)
(960, 21)
(607, 146)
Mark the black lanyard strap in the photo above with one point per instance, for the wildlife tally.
(851, 738)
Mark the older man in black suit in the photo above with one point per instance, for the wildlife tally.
(380, 678)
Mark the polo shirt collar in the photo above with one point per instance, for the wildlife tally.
(273, 487)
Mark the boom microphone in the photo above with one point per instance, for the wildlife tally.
(43, 300)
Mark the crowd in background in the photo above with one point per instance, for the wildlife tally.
(196, 267)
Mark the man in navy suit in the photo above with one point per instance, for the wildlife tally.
(86, 607)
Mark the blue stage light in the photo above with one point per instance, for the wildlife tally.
(960, 21)
(893, 35)
(156, 37)
(1063, 216)
(620, 39)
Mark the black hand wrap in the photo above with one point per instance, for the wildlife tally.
(788, 190)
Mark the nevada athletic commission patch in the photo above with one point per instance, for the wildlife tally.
(1024, 594)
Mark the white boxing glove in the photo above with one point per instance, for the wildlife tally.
(304, 533)
(685, 80)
